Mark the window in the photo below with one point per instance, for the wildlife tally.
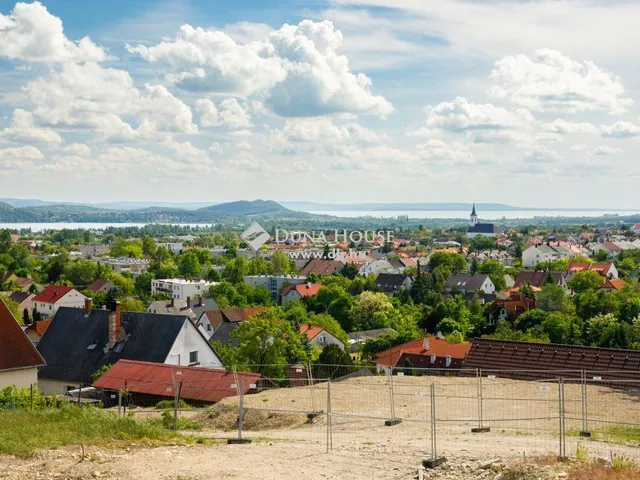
(193, 357)
(321, 339)
(208, 327)
(448, 361)
(433, 359)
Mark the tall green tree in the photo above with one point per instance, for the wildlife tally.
(587, 280)
(189, 266)
(5, 240)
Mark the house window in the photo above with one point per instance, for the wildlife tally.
(193, 357)
(433, 359)
(448, 361)
(321, 339)
(208, 327)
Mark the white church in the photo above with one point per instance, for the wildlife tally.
(476, 228)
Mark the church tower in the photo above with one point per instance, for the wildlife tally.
(473, 217)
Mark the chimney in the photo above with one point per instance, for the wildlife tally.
(88, 305)
(173, 302)
(200, 300)
(114, 325)
(426, 344)
(188, 302)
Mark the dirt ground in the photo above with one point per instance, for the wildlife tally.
(523, 417)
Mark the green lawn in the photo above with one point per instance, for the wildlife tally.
(23, 432)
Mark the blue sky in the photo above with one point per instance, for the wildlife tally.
(525, 103)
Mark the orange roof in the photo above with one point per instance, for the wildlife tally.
(311, 331)
(577, 266)
(437, 346)
(52, 294)
(601, 268)
(614, 284)
(304, 289)
(39, 327)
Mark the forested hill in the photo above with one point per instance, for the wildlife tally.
(214, 213)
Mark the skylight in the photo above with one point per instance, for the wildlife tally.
(92, 346)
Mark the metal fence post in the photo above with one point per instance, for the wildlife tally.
(329, 426)
(176, 403)
(31, 395)
(313, 400)
(393, 420)
(239, 440)
(434, 461)
(480, 428)
(585, 407)
(119, 399)
(561, 426)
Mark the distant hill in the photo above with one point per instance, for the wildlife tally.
(244, 207)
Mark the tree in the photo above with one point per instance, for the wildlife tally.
(5, 240)
(474, 266)
(328, 323)
(281, 263)
(132, 304)
(530, 319)
(236, 270)
(149, 246)
(26, 320)
(495, 270)
(349, 270)
(127, 248)
(552, 298)
(558, 327)
(586, 280)
(454, 261)
(370, 311)
(331, 357)
(596, 327)
(81, 272)
(266, 343)
(142, 285)
(189, 266)
(101, 371)
(482, 242)
(601, 256)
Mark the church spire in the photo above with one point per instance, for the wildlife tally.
(473, 211)
(473, 217)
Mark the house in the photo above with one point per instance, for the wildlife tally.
(180, 288)
(543, 253)
(210, 320)
(36, 330)
(321, 266)
(198, 386)
(606, 269)
(295, 292)
(636, 229)
(477, 228)
(469, 283)
(100, 285)
(613, 285)
(427, 352)
(78, 342)
(319, 336)
(132, 266)
(389, 283)
(274, 283)
(172, 307)
(173, 247)
(613, 249)
(358, 338)
(24, 301)
(19, 359)
(49, 300)
(538, 278)
(375, 267)
(94, 249)
(510, 308)
(22, 284)
(536, 361)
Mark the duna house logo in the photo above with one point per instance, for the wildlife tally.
(255, 236)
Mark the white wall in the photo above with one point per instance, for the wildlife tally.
(189, 339)
(51, 387)
(23, 377)
(325, 338)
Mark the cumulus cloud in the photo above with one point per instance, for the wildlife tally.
(323, 130)
(230, 113)
(446, 153)
(79, 149)
(553, 82)
(606, 150)
(23, 129)
(620, 130)
(88, 96)
(21, 153)
(297, 68)
(541, 154)
(31, 33)
(565, 128)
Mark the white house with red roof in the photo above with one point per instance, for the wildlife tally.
(319, 336)
(427, 352)
(297, 291)
(636, 229)
(49, 300)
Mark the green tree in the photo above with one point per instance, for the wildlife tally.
(553, 298)
(495, 270)
(189, 266)
(127, 248)
(143, 284)
(370, 311)
(266, 343)
(5, 240)
(149, 246)
(236, 269)
(596, 327)
(81, 272)
(101, 371)
(281, 263)
(331, 357)
(453, 261)
(328, 323)
(586, 280)
(601, 256)
(483, 242)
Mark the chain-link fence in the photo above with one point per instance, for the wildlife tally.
(420, 413)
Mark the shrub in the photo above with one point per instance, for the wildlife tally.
(168, 405)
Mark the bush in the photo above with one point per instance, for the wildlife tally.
(168, 405)
(16, 397)
(183, 423)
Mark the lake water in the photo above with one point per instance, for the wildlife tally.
(462, 215)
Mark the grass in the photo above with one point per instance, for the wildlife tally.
(620, 434)
(23, 432)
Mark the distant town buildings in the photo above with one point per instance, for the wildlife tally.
(181, 289)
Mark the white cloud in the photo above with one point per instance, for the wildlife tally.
(551, 81)
(21, 153)
(620, 130)
(31, 33)
(323, 130)
(24, 130)
(460, 115)
(566, 128)
(541, 154)
(446, 153)
(297, 67)
(605, 151)
(79, 149)
(247, 32)
(230, 113)
(578, 148)
(161, 111)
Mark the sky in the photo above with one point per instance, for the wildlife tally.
(529, 103)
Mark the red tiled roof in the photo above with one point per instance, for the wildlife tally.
(614, 283)
(39, 327)
(304, 289)
(16, 350)
(240, 314)
(601, 268)
(200, 384)
(98, 285)
(578, 266)
(437, 346)
(311, 331)
(52, 294)
(612, 247)
(321, 267)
